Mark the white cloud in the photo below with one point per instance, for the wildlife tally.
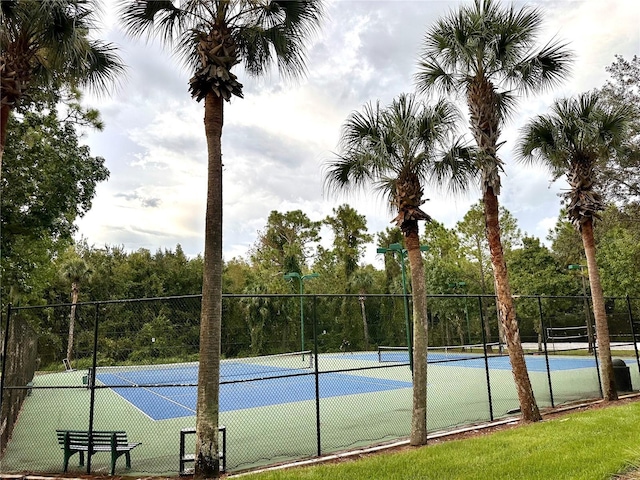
(277, 138)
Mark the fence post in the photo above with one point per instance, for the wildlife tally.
(92, 384)
(316, 372)
(546, 352)
(5, 346)
(486, 359)
(633, 332)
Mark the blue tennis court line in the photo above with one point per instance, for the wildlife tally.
(162, 403)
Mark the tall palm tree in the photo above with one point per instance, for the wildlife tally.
(486, 52)
(46, 44)
(574, 140)
(362, 281)
(397, 150)
(76, 272)
(213, 36)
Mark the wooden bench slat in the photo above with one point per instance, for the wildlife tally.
(77, 441)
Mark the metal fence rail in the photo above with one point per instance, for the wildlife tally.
(289, 389)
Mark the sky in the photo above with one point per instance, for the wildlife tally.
(277, 139)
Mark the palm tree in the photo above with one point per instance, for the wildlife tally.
(486, 52)
(397, 150)
(76, 272)
(577, 138)
(362, 281)
(46, 44)
(213, 36)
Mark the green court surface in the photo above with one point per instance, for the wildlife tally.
(276, 432)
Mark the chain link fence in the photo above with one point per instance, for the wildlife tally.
(300, 375)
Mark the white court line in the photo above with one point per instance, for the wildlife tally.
(148, 389)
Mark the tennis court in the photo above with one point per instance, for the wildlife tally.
(169, 391)
(271, 411)
(277, 386)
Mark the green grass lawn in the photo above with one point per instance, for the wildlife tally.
(589, 445)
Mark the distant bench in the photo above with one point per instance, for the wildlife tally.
(77, 441)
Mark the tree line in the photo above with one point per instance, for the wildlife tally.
(456, 263)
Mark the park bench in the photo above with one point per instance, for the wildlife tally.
(77, 441)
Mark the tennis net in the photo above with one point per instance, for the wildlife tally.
(186, 374)
(447, 353)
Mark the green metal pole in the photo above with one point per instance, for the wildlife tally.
(466, 314)
(301, 313)
(406, 311)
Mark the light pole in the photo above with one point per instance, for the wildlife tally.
(586, 304)
(455, 286)
(397, 248)
(301, 279)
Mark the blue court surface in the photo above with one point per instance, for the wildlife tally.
(535, 363)
(161, 403)
(179, 400)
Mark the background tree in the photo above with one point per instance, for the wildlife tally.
(349, 237)
(573, 140)
(395, 150)
(392, 267)
(485, 51)
(566, 243)
(46, 45)
(618, 250)
(362, 282)
(212, 38)
(472, 233)
(287, 242)
(74, 271)
(619, 177)
(535, 271)
(49, 181)
(447, 272)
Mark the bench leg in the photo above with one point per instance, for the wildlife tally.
(127, 456)
(68, 455)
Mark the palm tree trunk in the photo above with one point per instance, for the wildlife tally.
(506, 311)
(4, 119)
(365, 326)
(420, 341)
(72, 320)
(602, 328)
(207, 463)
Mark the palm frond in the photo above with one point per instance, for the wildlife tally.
(506, 103)
(432, 76)
(456, 170)
(279, 34)
(539, 145)
(348, 172)
(152, 17)
(50, 44)
(578, 134)
(393, 150)
(488, 40)
(101, 65)
(542, 70)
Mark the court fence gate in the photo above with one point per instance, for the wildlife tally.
(300, 375)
